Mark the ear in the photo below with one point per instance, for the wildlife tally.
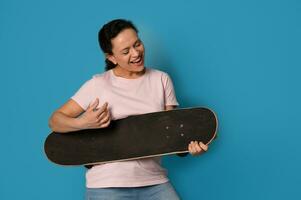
(111, 58)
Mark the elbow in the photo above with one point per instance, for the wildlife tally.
(51, 123)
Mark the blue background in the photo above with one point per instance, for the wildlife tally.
(240, 58)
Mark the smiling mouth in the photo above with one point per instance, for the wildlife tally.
(137, 61)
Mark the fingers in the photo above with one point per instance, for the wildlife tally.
(97, 117)
(101, 110)
(104, 117)
(190, 149)
(104, 107)
(106, 124)
(94, 105)
(203, 146)
(98, 112)
(103, 113)
(196, 148)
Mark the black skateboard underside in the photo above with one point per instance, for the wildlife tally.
(147, 135)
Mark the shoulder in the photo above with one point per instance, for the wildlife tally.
(157, 73)
(96, 80)
(101, 76)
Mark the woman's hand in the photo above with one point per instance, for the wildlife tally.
(95, 117)
(197, 148)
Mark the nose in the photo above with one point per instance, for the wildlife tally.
(135, 53)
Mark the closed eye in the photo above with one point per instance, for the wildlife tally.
(125, 51)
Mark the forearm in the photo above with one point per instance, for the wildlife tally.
(59, 122)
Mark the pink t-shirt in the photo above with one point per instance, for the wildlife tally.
(148, 93)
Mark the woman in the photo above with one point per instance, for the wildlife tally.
(126, 88)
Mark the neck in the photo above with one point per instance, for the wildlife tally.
(118, 71)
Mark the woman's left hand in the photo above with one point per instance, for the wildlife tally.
(197, 148)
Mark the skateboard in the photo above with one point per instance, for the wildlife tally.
(135, 137)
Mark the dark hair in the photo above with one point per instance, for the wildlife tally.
(110, 31)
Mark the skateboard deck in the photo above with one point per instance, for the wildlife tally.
(134, 137)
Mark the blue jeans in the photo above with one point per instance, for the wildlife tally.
(163, 191)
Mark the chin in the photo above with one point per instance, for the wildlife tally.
(141, 68)
(138, 68)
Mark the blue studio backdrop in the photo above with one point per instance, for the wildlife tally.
(240, 58)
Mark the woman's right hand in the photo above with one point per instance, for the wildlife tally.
(95, 117)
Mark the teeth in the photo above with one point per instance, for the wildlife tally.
(137, 61)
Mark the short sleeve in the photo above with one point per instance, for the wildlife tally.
(169, 92)
(85, 95)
